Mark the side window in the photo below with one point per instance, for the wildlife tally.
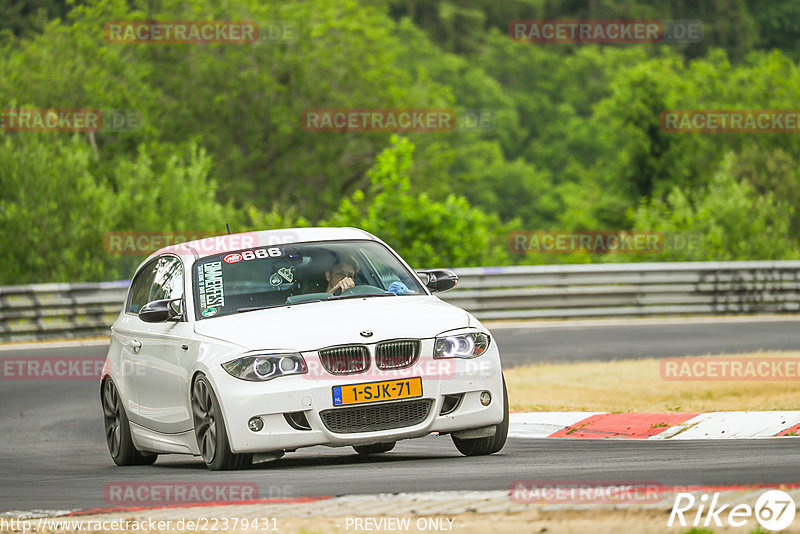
(162, 278)
(140, 287)
(168, 282)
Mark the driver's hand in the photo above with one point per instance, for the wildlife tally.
(344, 283)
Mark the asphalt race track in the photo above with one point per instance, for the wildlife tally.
(54, 454)
(566, 341)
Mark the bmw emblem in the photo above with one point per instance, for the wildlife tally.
(366, 333)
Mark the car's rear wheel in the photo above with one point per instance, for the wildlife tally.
(209, 430)
(118, 429)
(375, 448)
(491, 444)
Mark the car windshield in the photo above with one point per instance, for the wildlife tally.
(280, 275)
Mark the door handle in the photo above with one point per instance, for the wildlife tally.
(135, 345)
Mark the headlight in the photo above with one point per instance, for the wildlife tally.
(264, 367)
(461, 346)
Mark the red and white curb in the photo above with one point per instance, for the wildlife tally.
(671, 425)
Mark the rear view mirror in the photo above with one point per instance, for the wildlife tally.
(438, 280)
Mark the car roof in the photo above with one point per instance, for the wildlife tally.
(210, 246)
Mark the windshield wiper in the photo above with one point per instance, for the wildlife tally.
(256, 308)
(340, 297)
(343, 297)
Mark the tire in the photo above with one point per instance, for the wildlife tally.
(488, 445)
(375, 448)
(118, 429)
(209, 430)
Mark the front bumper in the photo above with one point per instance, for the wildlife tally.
(312, 395)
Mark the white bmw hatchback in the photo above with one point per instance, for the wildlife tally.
(262, 343)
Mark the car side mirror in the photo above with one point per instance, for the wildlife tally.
(438, 280)
(159, 311)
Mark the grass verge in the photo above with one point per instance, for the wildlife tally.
(637, 386)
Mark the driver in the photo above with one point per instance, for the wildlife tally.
(341, 276)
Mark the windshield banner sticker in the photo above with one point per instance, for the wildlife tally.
(209, 280)
(261, 253)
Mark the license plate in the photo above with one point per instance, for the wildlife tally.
(377, 391)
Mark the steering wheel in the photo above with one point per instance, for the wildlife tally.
(344, 293)
(358, 290)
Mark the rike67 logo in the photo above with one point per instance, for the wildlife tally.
(774, 510)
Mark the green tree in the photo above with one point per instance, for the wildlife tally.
(426, 232)
(730, 218)
(56, 206)
(775, 172)
(52, 211)
(778, 25)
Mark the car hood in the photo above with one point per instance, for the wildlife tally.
(310, 326)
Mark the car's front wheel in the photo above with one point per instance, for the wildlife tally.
(209, 430)
(375, 448)
(487, 445)
(118, 429)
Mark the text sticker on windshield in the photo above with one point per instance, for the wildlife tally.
(261, 253)
(209, 280)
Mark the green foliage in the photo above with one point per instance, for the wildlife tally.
(731, 24)
(243, 103)
(167, 188)
(56, 206)
(779, 25)
(775, 172)
(577, 143)
(52, 211)
(273, 219)
(732, 220)
(425, 232)
(21, 17)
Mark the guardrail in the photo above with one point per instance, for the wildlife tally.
(520, 292)
(44, 311)
(628, 289)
